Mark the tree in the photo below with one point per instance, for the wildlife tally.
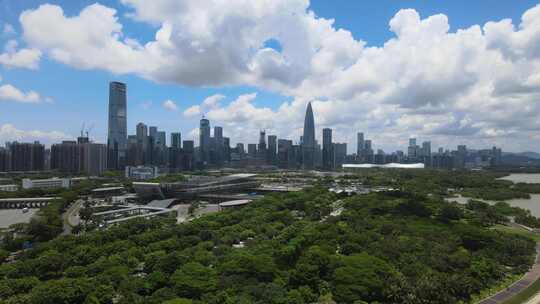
(178, 301)
(192, 280)
(61, 291)
(450, 212)
(362, 277)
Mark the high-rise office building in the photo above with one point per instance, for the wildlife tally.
(142, 138)
(153, 131)
(360, 145)
(308, 140)
(328, 149)
(426, 148)
(5, 160)
(161, 139)
(412, 150)
(204, 140)
(218, 147)
(176, 140)
(285, 154)
(226, 149)
(240, 148)
(272, 150)
(262, 144)
(252, 150)
(117, 136)
(340, 153)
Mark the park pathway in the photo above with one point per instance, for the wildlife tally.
(530, 277)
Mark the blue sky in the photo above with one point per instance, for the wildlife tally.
(79, 93)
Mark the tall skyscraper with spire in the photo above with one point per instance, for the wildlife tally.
(117, 136)
(308, 140)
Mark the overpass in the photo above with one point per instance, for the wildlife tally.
(26, 202)
(125, 214)
(219, 198)
(280, 189)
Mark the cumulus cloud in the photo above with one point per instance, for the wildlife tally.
(11, 93)
(208, 103)
(22, 58)
(8, 132)
(170, 105)
(477, 82)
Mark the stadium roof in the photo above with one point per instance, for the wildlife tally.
(235, 203)
(390, 165)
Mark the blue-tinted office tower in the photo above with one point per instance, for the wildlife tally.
(204, 140)
(117, 136)
(308, 140)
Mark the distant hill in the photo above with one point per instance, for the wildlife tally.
(530, 154)
(521, 159)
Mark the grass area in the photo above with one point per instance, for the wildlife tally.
(515, 230)
(526, 294)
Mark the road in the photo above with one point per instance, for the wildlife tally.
(530, 277)
(70, 218)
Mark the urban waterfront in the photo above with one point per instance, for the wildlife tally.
(532, 204)
(269, 152)
(533, 178)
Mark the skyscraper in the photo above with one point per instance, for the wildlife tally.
(262, 144)
(142, 134)
(161, 139)
(285, 153)
(217, 155)
(176, 140)
(272, 150)
(328, 151)
(308, 140)
(360, 144)
(204, 140)
(117, 137)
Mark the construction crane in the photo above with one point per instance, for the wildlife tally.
(88, 130)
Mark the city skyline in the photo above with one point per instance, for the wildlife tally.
(424, 104)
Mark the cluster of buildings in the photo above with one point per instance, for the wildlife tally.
(141, 154)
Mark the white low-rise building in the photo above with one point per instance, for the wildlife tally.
(50, 183)
(9, 188)
(141, 172)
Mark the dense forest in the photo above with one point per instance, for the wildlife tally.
(306, 247)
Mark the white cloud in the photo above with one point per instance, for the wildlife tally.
(193, 111)
(22, 58)
(210, 102)
(8, 132)
(170, 105)
(11, 93)
(470, 84)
